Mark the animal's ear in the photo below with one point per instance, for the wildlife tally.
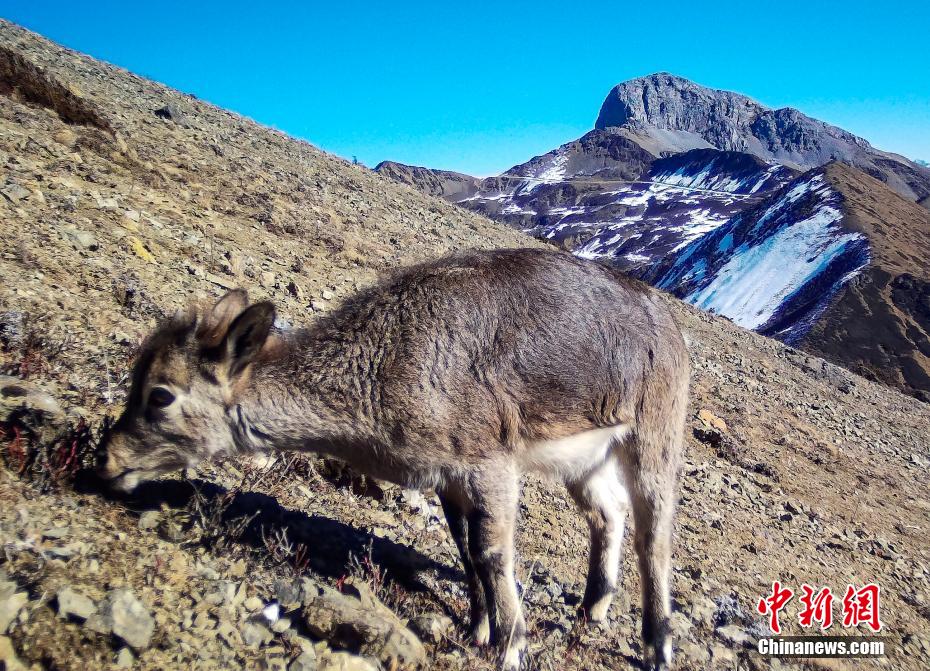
(216, 323)
(247, 336)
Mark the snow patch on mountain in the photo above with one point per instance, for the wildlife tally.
(555, 170)
(550, 169)
(630, 223)
(713, 178)
(751, 286)
(761, 265)
(660, 218)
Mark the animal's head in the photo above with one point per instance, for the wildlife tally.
(189, 373)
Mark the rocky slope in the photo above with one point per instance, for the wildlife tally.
(452, 186)
(122, 200)
(662, 103)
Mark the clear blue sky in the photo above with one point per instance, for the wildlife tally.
(478, 87)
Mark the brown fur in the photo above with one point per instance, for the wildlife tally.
(459, 375)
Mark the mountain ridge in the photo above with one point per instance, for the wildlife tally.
(660, 114)
(733, 121)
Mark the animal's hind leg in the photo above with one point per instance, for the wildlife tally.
(603, 501)
(455, 513)
(651, 472)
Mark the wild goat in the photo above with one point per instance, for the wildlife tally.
(459, 375)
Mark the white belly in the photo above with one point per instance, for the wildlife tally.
(573, 456)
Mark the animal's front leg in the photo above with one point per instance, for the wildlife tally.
(491, 545)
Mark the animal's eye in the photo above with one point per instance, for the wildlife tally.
(160, 397)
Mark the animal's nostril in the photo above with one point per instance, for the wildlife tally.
(101, 465)
(102, 454)
(100, 462)
(107, 465)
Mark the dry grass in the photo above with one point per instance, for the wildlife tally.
(52, 463)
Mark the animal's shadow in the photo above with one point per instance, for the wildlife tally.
(330, 544)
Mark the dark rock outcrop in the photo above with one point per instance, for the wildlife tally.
(452, 186)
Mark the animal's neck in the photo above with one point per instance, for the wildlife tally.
(297, 399)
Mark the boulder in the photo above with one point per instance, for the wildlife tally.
(11, 602)
(344, 661)
(123, 615)
(8, 658)
(305, 661)
(74, 604)
(16, 395)
(362, 625)
(431, 626)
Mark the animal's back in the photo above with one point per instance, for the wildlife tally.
(529, 344)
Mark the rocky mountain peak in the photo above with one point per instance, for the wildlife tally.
(670, 102)
(667, 111)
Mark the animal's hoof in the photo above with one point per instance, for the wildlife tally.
(596, 612)
(481, 632)
(662, 659)
(513, 657)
